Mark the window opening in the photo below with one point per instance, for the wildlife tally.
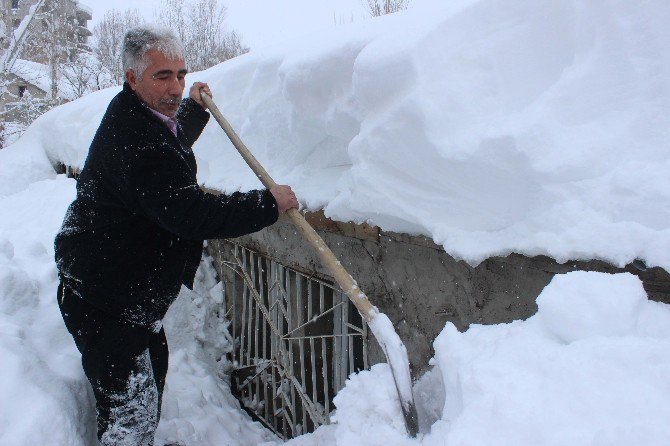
(297, 338)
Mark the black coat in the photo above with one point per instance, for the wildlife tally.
(134, 233)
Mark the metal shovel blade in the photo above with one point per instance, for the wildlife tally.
(396, 357)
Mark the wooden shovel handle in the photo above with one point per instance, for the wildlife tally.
(342, 277)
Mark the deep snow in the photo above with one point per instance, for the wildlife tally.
(590, 368)
(490, 126)
(44, 395)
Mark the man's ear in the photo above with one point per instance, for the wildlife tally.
(131, 78)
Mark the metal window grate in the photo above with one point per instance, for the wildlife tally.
(297, 339)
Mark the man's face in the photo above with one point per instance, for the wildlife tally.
(162, 82)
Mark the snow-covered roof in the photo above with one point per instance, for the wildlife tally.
(540, 128)
(32, 72)
(85, 8)
(39, 75)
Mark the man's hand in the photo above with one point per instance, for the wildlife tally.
(284, 197)
(194, 93)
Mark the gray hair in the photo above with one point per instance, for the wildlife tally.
(139, 40)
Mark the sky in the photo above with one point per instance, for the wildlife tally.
(260, 22)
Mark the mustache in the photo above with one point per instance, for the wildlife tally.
(173, 100)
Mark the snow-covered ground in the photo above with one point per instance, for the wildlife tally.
(44, 395)
(490, 126)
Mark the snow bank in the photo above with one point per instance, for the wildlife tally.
(45, 397)
(42, 386)
(541, 382)
(590, 368)
(490, 126)
(25, 162)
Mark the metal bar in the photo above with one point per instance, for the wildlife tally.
(291, 298)
(321, 299)
(273, 310)
(234, 302)
(351, 358)
(248, 381)
(309, 302)
(287, 419)
(337, 347)
(265, 301)
(324, 371)
(314, 319)
(280, 326)
(274, 269)
(272, 288)
(321, 336)
(287, 296)
(243, 328)
(227, 315)
(310, 407)
(274, 399)
(365, 345)
(308, 404)
(313, 278)
(280, 305)
(282, 403)
(257, 321)
(250, 307)
(303, 389)
(311, 351)
(266, 313)
(356, 329)
(298, 300)
(252, 366)
(348, 340)
(280, 298)
(301, 344)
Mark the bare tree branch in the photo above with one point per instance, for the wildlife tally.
(377, 8)
(200, 24)
(108, 39)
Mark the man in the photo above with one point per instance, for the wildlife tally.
(134, 233)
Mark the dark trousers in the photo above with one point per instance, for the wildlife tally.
(126, 365)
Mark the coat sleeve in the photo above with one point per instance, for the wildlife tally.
(192, 119)
(162, 188)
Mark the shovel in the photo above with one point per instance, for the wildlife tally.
(379, 323)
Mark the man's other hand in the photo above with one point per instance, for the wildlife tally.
(194, 93)
(284, 197)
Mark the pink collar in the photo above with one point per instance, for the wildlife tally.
(170, 122)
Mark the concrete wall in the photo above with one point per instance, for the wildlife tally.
(421, 287)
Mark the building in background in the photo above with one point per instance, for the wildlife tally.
(45, 59)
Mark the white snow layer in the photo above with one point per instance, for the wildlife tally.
(492, 126)
(590, 368)
(44, 395)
